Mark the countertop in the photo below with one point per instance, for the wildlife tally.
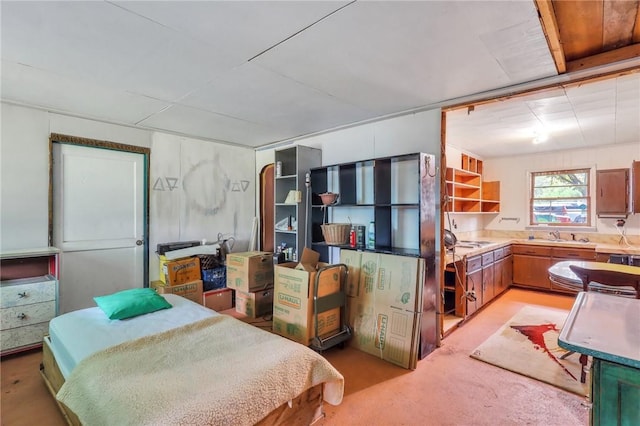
(604, 326)
(495, 243)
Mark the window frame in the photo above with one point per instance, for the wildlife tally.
(589, 204)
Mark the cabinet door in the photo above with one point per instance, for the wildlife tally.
(616, 392)
(488, 283)
(507, 272)
(612, 196)
(531, 271)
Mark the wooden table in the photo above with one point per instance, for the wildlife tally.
(562, 276)
(607, 327)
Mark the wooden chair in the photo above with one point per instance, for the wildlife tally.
(605, 277)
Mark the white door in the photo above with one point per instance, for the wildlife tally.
(98, 222)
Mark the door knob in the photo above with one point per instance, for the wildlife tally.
(139, 242)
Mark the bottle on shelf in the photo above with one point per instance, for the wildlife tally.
(371, 236)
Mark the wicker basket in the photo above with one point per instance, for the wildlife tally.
(336, 233)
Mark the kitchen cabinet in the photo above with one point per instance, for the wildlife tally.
(503, 269)
(468, 193)
(488, 278)
(612, 192)
(28, 297)
(487, 275)
(397, 194)
(530, 266)
(290, 215)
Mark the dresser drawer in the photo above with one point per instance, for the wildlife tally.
(27, 291)
(23, 336)
(20, 316)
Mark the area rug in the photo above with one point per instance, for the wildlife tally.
(528, 344)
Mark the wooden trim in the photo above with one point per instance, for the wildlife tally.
(443, 212)
(547, 18)
(96, 143)
(617, 55)
(541, 89)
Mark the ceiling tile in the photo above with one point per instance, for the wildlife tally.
(208, 125)
(31, 86)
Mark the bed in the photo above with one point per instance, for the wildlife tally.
(183, 365)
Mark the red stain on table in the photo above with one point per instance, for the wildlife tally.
(535, 333)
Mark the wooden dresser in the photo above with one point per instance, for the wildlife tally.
(28, 297)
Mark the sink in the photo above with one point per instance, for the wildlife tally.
(472, 244)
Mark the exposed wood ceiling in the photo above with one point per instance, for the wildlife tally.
(587, 33)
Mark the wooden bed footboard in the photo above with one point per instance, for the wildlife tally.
(305, 409)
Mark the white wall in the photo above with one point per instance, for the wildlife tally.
(214, 189)
(512, 172)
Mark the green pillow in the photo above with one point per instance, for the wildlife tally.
(131, 303)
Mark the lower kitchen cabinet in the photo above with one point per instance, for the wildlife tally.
(531, 265)
(615, 390)
(474, 284)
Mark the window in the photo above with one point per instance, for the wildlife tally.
(560, 198)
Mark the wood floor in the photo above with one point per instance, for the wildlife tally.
(447, 388)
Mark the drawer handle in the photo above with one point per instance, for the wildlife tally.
(23, 294)
(22, 316)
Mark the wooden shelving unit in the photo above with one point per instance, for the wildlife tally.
(468, 193)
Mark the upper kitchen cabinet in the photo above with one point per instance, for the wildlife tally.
(612, 192)
(292, 165)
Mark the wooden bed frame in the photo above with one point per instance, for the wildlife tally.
(305, 409)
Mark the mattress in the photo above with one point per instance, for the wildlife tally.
(78, 334)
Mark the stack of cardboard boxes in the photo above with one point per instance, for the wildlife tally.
(183, 276)
(250, 274)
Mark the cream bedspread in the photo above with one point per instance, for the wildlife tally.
(218, 371)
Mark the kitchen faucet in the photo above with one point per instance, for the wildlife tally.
(555, 234)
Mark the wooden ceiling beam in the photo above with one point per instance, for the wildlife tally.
(552, 34)
(617, 55)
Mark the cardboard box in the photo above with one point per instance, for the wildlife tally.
(218, 300)
(255, 304)
(385, 313)
(294, 285)
(352, 259)
(181, 271)
(191, 290)
(250, 271)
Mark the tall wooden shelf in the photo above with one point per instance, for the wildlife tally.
(468, 193)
